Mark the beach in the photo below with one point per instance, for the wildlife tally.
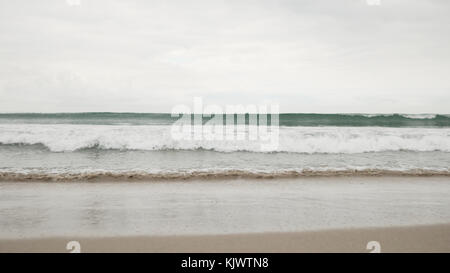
(127, 182)
(319, 214)
(434, 238)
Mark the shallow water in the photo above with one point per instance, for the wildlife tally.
(78, 146)
(220, 207)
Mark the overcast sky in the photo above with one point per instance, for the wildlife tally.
(147, 56)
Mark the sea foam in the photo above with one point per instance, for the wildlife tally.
(69, 138)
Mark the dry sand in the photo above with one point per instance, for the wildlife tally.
(433, 238)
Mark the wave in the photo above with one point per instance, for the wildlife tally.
(421, 116)
(285, 119)
(408, 116)
(225, 174)
(334, 140)
(364, 120)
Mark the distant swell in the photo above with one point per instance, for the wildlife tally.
(199, 175)
(359, 120)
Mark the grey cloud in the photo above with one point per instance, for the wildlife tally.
(310, 55)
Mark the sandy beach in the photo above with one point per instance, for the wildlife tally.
(328, 214)
(433, 238)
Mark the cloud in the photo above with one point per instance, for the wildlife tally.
(147, 56)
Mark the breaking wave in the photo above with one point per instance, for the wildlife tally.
(348, 140)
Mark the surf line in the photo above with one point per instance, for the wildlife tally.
(256, 123)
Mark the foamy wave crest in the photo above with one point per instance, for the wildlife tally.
(409, 116)
(66, 138)
(223, 174)
(420, 116)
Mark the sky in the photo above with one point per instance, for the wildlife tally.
(307, 56)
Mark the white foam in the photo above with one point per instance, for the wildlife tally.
(63, 138)
(419, 116)
(410, 116)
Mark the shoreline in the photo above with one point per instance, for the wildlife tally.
(429, 238)
(138, 176)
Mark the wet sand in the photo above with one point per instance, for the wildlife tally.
(329, 214)
(434, 238)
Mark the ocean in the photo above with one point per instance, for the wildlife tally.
(133, 146)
